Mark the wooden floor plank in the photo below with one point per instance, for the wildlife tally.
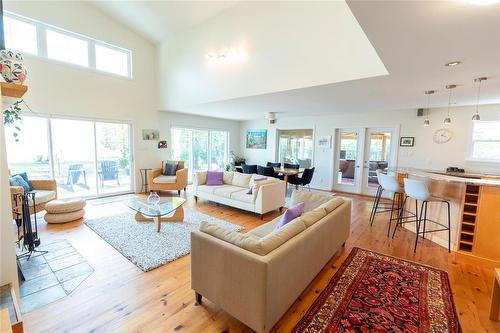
(119, 297)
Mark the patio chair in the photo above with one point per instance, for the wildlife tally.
(108, 171)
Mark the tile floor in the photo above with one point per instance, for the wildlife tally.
(51, 276)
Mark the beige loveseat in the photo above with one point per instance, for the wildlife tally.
(257, 276)
(45, 190)
(267, 196)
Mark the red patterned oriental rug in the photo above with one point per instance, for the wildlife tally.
(372, 292)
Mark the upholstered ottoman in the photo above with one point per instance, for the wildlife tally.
(59, 211)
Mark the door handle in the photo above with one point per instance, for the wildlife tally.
(357, 166)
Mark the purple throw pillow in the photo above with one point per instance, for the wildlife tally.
(250, 190)
(290, 214)
(215, 178)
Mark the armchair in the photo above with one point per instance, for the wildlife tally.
(45, 191)
(158, 182)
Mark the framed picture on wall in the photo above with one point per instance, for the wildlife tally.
(257, 139)
(324, 141)
(162, 144)
(407, 141)
(151, 134)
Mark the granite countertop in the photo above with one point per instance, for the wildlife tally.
(454, 177)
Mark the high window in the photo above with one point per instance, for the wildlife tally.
(296, 147)
(200, 149)
(34, 37)
(485, 141)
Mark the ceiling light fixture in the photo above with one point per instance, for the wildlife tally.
(427, 122)
(225, 55)
(476, 116)
(447, 120)
(271, 117)
(453, 63)
(482, 2)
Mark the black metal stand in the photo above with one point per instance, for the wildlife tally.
(30, 238)
(144, 179)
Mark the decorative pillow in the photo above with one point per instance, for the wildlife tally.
(228, 177)
(170, 169)
(250, 190)
(291, 214)
(18, 180)
(241, 179)
(215, 178)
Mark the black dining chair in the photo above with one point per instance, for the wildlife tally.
(305, 180)
(274, 165)
(290, 166)
(266, 171)
(249, 168)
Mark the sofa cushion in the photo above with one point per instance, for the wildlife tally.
(241, 179)
(226, 190)
(310, 200)
(313, 216)
(291, 214)
(170, 169)
(209, 189)
(42, 196)
(242, 196)
(266, 228)
(228, 177)
(261, 183)
(165, 180)
(225, 234)
(201, 177)
(331, 204)
(215, 178)
(274, 239)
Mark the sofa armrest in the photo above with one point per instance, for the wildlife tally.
(181, 177)
(270, 197)
(44, 184)
(152, 174)
(231, 277)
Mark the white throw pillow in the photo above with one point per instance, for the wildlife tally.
(228, 177)
(241, 179)
(201, 178)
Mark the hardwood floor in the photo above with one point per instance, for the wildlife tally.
(119, 297)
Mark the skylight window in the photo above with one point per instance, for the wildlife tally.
(34, 37)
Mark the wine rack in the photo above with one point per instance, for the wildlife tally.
(469, 215)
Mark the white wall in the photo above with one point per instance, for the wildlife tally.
(425, 154)
(285, 45)
(61, 89)
(173, 119)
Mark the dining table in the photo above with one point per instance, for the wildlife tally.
(286, 172)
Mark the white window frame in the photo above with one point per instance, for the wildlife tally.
(471, 157)
(41, 29)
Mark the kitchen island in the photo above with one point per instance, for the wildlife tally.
(475, 212)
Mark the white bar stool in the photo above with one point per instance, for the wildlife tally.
(419, 191)
(388, 183)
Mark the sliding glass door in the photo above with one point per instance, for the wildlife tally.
(86, 158)
(200, 149)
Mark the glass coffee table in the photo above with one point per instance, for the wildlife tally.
(167, 210)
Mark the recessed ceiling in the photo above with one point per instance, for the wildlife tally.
(160, 20)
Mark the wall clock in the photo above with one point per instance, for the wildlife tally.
(442, 135)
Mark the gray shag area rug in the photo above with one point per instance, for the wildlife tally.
(142, 245)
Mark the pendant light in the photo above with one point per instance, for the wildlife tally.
(427, 122)
(476, 116)
(447, 120)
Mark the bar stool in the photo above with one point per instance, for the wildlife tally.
(388, 183)
(419, 191)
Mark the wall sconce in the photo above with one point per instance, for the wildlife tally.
(234, 54)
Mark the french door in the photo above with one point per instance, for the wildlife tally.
(359, 152)
(200, 149)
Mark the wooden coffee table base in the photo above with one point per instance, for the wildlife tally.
(177, 216)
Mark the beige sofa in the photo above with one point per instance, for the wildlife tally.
(267, 196)
(257, 276)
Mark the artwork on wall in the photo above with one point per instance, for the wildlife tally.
(407, 141)
(162, 144)
(257, 139)
(151, 134)
(324, 141)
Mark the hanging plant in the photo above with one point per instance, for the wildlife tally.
(12, 117)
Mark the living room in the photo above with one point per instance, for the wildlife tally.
(152, 150)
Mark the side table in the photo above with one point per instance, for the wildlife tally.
(144, 179)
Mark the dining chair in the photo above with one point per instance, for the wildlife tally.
(304, 180)
(274, 164)
(266, 171)
(249, 168)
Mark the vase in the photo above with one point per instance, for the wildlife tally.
(12, 67)
(153, 198)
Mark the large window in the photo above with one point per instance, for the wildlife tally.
(296, 147)
(486, 141)
(38, 38)
(200, 149)
(86, 158)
